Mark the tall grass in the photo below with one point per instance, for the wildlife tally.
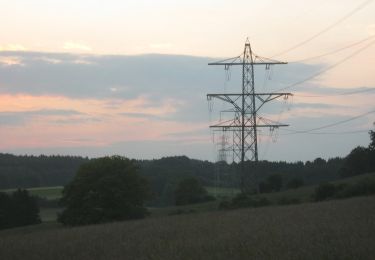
(343, 229)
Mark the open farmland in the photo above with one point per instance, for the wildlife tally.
(341, 229)
(49, 193)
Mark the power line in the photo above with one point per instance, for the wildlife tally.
(339, 94)
(352, 12)
(330, 67)
(340, 133)
(329, 125)
(334, 51)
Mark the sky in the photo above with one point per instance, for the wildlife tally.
(95, 78)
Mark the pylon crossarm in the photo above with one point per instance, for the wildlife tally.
(251, 94)
(227, 98)
(269, 98)
(238, 127)
(246, 63)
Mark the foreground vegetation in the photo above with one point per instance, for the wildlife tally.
(341, 229)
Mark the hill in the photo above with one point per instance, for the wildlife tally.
(342, 229)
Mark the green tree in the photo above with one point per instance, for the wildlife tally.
(190, 191)
(357, 162)
(372, 137)
(103, 190)
(360, 160)
(18, 209)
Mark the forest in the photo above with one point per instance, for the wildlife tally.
(163, 174)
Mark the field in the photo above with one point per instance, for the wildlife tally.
(50, 193)
(342, 229)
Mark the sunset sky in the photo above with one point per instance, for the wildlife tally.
(96, 78)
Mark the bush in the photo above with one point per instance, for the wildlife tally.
(364, 187)
(190, 191)
(324, 191)
(104, 190)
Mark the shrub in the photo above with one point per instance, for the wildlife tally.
(190, 191)
(324, 191)
(363, 187)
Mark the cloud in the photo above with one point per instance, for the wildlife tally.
(11, 61)
(12, 47)
(21, 117)
(50, 60)
(76, 46)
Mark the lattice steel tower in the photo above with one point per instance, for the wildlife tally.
(245, 120)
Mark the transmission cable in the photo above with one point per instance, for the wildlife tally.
(339, 94)
(334, 51)
(329, 67)
(329, 125)
(340, 133)
(352, 12)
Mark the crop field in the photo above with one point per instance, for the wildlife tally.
(341, 229)
(49, 193)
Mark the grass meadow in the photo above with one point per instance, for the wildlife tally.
(337, 229)
(49, 193)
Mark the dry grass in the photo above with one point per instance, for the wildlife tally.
(342, 229)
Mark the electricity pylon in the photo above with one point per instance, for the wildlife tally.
(246, 106)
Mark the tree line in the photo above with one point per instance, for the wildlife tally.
(166, 173)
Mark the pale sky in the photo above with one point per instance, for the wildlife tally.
(76, 77)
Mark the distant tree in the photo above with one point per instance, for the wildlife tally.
(371, 148)
(319, 161)
(357, 162)
(190, 191)
(294, 183)
(372, 138)
(275, 182)
(103, 190)
(18, 209)
(360, 160)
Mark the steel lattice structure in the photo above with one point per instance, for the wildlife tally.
(246, 105)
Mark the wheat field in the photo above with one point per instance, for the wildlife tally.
(342, 229)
